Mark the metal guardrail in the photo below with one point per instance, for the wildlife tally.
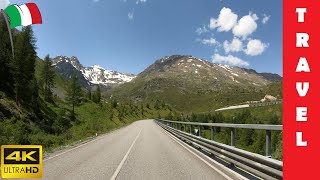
(259, 165)
(232, 127)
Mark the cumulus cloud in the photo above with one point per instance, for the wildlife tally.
(245, 26)
(234, 46)
(229, 59)
(4, 4)
(255, 47)
(226, 20)
(210, 41)
(265, 19)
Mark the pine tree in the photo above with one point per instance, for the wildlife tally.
(24, 65)
(114, 103)
(6, 57)
(97, 95)
(35, 95)
(74, 94)
(89, 94)
(47, 78)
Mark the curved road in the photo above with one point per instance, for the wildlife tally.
(142, 150)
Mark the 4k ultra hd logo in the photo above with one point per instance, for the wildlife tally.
(21, 161)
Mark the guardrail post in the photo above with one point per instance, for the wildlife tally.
(190, 129)
(268, 143)
(199, 131)
(233, 139)
(212, 133)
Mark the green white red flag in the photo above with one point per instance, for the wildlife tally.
(23, 15)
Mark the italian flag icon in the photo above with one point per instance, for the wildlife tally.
(23, 15)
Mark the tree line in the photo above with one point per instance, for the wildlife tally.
(18, 78)
(247, 139)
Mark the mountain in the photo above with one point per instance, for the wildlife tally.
(269, 76)
(89, 76)
(191, 84)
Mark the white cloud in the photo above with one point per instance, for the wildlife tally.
(246, 26)
(141, 1)
(131, 15)
(210, 41)
(226, 20)
(265, 19)
(255, 47)
(202, 30)
(231, 60)
(234, 46)
(4, 4)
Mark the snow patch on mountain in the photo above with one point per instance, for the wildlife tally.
(94, 74)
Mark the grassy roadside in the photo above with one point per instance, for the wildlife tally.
(91, 118)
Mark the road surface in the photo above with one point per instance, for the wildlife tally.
(141, 150)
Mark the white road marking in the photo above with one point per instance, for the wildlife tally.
(115, 174)
(89, 142)
(74, 148)
(206, 162)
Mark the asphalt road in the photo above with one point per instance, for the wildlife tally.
(141, 150)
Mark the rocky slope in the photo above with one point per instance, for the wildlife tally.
(89, 76)
(190, 83)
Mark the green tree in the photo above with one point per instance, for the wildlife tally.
(47, 78)
(24, 65)
(89, 94)
(6, 57)
(74, 93)
(35, 98)
(114, 103)
(157, 104)
(97, 95)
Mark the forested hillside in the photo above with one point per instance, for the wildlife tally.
(38, 106)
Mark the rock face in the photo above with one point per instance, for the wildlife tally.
(89, 76)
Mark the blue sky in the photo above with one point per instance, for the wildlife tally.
(129, 35)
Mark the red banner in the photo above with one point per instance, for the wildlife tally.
(301, 89)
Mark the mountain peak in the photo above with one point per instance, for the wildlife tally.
(97, 67)
(89, 75)
(191, 68)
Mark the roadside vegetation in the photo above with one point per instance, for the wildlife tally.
(32, 112)
(250, 140)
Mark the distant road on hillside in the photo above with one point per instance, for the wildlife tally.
(250, 105)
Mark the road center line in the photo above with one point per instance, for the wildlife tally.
(115, 174)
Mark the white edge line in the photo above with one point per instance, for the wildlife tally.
(86, 143)
(115, 174)
(206, 162)
(73, 148)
